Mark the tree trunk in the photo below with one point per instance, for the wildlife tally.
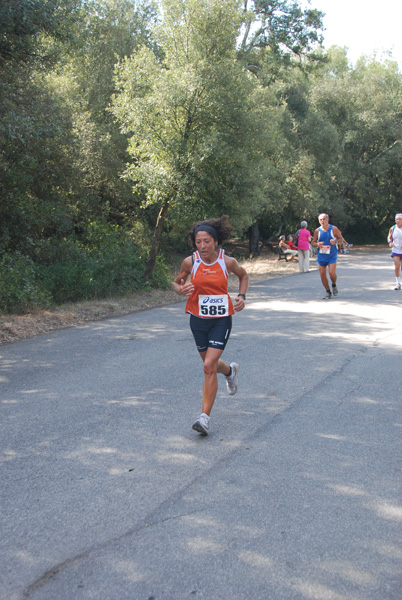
(254, 240)
(156, 240)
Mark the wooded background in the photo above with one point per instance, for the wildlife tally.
(123, 122)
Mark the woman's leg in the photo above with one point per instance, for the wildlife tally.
(306, 260)
(301, 260)
(212, 366)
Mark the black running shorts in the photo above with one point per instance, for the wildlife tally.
(210, 333)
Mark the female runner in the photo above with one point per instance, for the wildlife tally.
(210, 306)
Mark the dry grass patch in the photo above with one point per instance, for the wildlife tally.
(18, 327)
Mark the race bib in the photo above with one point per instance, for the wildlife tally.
(213, 306)
(325, 249)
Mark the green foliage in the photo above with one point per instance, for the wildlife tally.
(19, 289)
(106, 262)
(24, 22)
(363, 105)
(160, 274)
(35, 170)
(275, 31)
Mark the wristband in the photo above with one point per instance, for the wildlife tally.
(244, 295)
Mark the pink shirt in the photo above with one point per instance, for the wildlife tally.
(302, 242)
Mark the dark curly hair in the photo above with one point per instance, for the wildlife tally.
(221, 225)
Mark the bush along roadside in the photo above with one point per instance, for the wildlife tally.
(105, 264)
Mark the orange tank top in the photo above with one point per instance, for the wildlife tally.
(210, 298)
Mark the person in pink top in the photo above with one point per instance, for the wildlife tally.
(303, 247)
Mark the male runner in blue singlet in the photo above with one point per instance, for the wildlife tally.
(326, 239)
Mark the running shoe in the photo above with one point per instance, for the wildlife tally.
(231, 380)
(327, 296)
(398, 287)
(201, 424)
(334, 290)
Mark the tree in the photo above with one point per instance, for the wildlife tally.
(34, 128)
(194, 118)
(62, 154)
(23, 23)
(110, 30)
(276, 31)
(364, 105)
(277, 43)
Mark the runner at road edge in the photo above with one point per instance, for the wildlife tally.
(326, 238)
(395, 242)
(210, 306)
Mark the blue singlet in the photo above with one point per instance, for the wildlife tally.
(326, 236)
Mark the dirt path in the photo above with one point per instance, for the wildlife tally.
(18, 327)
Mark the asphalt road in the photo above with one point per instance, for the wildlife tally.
(107, 493)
